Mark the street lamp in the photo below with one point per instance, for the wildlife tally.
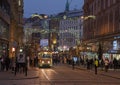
(64, 48)
(21, 50)
(13, 51)
(54, 43)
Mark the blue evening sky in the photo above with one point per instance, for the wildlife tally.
(49, 6)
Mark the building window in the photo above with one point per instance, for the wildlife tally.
(106, 3)
(19, 2)
(5, 6)
(4, 29)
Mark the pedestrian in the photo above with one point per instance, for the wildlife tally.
(21, 62)
(7, 63)
(35, 61)
(2, 63)
(96, 65)
(91, 63)
(115, 63)
(102, 64)
(28, 62)
(88, 63)
(13, 65)
(106, 64)
(73, 64)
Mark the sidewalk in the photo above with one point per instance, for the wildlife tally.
(111, 72)
(8, 75)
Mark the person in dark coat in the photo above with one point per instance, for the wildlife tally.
(88, 63)
(73, 64)
(2, 63)
(115, 63)
(7, 63)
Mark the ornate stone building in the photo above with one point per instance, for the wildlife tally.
(16, 25)
(105, 27)
(70, 28)
(4, 26)
(53, 38)
(11, 26)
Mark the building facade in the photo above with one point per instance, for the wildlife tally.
(4, 27)
(54, 35)
(16, 26)
(70, 29)
(11, 26)
(36, 29)
(104, 29)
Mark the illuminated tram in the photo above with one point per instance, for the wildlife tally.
(45, 59)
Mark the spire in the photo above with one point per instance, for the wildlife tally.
(67, 6)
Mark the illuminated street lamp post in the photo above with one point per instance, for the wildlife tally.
(13, 52)
(54, 44)
(64, 48)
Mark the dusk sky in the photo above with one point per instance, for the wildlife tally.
(49, 6)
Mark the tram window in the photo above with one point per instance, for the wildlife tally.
(46, 56)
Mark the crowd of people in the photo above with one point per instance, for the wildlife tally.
(104, 64)
(4, 63)
(7, 63)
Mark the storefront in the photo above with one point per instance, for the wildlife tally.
(112, 49)
(117, 56)
(89, 55)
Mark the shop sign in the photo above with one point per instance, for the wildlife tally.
(115, 45)
(117, 37)
(112, 51)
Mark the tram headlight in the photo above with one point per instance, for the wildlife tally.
(43, 62)
(49, 62)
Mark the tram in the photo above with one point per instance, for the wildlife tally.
(45, 59)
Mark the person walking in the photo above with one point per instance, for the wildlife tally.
(115, 63)
(2, 63)
(88, 63)
(73, 64)
(13, 64)
(96, 65)
(102, 64)
(106, 64)
(7, 63)
(28, 62)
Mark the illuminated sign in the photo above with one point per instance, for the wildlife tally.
(43, 42)
(115, 45)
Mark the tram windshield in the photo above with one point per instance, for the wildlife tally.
(46, 56)
(45, 59)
